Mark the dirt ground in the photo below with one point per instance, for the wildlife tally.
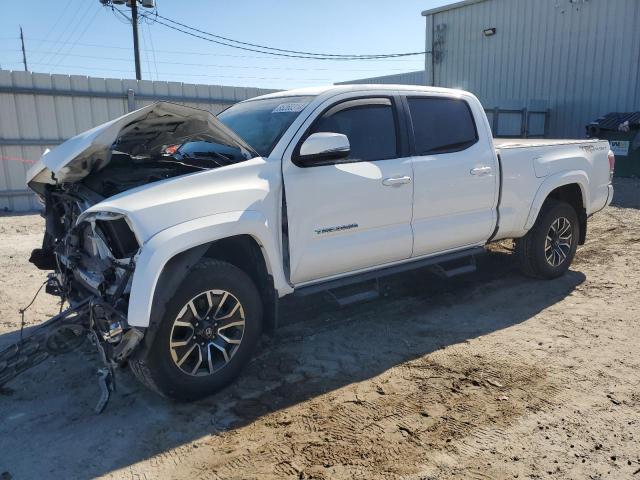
(490, 375)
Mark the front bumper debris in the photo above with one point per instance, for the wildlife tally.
(92, 318)
(60, 334)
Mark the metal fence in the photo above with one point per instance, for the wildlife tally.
(39, 111)
(518, 123)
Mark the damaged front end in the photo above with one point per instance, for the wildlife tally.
(92, 252)
(96, 259)
(93, 255)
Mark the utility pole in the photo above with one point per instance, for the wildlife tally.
(24, 53)
(134, 23)
(136, 48)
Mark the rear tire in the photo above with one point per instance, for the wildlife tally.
(208, 333)
(548, 249)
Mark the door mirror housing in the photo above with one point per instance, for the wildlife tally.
(323, 148)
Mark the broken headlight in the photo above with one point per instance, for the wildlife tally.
(115, 232)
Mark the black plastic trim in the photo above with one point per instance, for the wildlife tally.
(329, 158)
(495, 230)
(408, 125)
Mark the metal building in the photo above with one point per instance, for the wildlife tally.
(578, 58)
(408, 78)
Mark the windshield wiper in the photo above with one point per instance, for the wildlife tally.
(200, 160)
(212, 155)
(177, 162)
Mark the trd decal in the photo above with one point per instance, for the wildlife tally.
(322, 231)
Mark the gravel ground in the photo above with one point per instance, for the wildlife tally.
(490, 375)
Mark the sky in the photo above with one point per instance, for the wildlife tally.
(83, 37)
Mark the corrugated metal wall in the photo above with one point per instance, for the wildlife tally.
(507, 119)
(579, 57)
(408, 78)
(39, 111)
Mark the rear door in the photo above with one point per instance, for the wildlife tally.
(356, 213)
(455, 173)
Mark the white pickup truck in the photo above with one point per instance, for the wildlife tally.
(184, 229)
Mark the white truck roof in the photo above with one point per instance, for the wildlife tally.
(337, 89)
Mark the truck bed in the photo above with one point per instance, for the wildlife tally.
(526, 164)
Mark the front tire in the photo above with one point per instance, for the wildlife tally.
(207, 334)
(548, 249)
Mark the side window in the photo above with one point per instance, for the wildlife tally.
(368, 123)
(441, 125)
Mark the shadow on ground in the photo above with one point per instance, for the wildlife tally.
(49, 428)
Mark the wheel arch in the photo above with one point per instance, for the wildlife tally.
(570, 187)
(573, 195)
(165, 260)
(242, 251)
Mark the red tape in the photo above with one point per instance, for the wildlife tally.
(17, 159)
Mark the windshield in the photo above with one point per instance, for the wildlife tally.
(261, 123)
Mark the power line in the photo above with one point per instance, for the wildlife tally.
(145, 54)
(153, 50)
(63, 14)
(72, 22)
(80, 67)
(79, 37)
(263, 47)
(288, 55)
(200, 64)
(125, 19)
(212, 54)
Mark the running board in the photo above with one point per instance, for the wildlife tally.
(384, 272)
(450, 271)
(357, 297)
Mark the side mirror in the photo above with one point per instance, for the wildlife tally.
(324, 147)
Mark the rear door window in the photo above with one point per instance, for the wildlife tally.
(441, 125)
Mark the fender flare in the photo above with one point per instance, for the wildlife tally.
(557, 180)
(165, 245)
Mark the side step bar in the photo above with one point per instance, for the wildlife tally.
(450, 271)
(344, 300)
(404, 267)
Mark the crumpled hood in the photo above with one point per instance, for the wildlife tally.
(141, 132)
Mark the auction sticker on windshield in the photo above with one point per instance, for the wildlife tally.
(289, 108)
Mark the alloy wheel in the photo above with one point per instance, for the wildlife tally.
(207, 332)
(558, 242)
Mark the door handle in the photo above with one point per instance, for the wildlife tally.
(480, 171)
(393, 181)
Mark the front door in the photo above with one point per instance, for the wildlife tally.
(356, 213)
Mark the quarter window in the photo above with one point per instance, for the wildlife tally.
(441, 125)
(370, 127)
